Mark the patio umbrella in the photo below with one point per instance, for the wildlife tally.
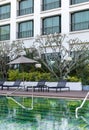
(22, 60)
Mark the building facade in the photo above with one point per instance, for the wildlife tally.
(25, 19)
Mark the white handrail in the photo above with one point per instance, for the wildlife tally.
(76, 111)
(31, 108)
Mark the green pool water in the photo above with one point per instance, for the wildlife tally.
(47, 114)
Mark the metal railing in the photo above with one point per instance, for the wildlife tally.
(77, 1)
(25, 11)
(25, 34)
(80, 26)
(4, 37)
(4, 15)
(51, 30)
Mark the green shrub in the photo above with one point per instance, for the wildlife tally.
(13, 75)
(31, 76)
(73, 79)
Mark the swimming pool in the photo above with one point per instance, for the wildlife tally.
(47, 114)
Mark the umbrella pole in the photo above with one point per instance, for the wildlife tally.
(23, 76)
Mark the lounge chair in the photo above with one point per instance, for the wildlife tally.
(16, 84)
(60, 85)
(40, 85)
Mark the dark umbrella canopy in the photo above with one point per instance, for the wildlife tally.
(22, 60)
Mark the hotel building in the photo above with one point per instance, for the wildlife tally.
(25, 19)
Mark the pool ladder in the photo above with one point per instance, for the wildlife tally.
(27, 108)
(76, 111)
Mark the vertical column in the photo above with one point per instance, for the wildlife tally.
(37, 25)
(13, 20)
(65, 17)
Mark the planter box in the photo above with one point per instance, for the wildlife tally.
(75, 86)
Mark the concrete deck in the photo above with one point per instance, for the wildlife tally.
(51, 94)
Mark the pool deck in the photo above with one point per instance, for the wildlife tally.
(51, 94)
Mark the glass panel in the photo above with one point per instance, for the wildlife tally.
(51, 25)
(5, 11)
(26, 29)
(5, 32)
(80, 20)
(78, 1)
(54, 57)
(51, 4)
(26, 7)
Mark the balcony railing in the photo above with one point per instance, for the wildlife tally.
(5, 16)
(25, 11)
(51, 30)
(51, 5)
(80, 26)
(78, 1)
(4, 37)
(25, 34)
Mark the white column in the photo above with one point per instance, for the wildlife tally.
(13, 20)
(37, 25)
(65, 17)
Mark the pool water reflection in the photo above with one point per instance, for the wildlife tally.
(47, 114)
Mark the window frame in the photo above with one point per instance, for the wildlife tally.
(59, 25)
(5, 34)
(9, 13)
(19, 24)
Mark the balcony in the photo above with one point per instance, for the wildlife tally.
(25, 11)
(5, 16)
(4, 37)
(78, 1)
(51, 5)
(25, 34)
(51, 30)
(80, 26)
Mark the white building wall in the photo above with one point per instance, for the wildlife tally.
(13, 20)
(37, 20)
(65, 17)
(65, 12)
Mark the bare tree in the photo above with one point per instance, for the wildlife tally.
(9, 51)
(60, 54)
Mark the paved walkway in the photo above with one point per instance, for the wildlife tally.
(63, 94)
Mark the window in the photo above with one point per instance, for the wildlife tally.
(25, 29)
(52, 59)
(51, 25)
(51, 4)
(5, 11)
(80, 20)
(78, 1)
(25, 7)
(5, 32)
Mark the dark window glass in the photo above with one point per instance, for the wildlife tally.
(5, 32)
(26, 7)
(78, 1)
(51, 4)
(51, 25)
(52, 59)
(80, 21)
(5, 11)
(25, 29)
